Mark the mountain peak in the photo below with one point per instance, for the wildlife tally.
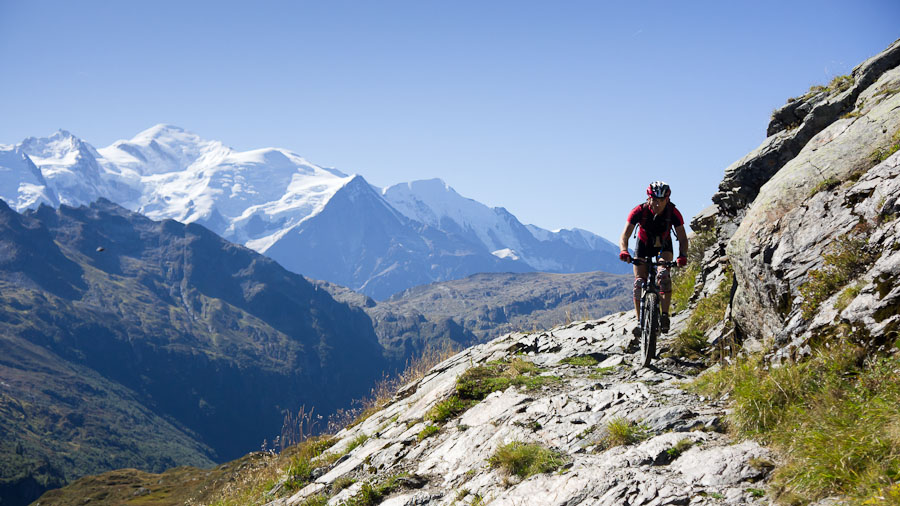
(161, 149)
(58, 146)
(56, 137)
(161, 130)
(431, 188)
(170, 136)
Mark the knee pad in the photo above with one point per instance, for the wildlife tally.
(665, 281)
(638, 286)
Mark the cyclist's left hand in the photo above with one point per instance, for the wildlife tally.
(681, 261)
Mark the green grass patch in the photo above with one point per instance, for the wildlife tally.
(526, 459)
(601, 372)
(709, 311)
(445, 410)
(684, 279)
(303, 462)
(849, 257)
(683, 282)
(882, 154)
(680, 447)
(838, 84)
(687, 344)
(841, 84)
(847, 296)
(428, 431)
(299, 473)
(833, 417)
(621, 432)
(583, 361)
(480, 381)
(316, 500)
(756, 492)
(887, 496)
(341, 483)
(356, 443)
(373, 493)
(826, 184)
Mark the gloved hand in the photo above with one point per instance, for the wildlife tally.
(625, 257)
(681, 261)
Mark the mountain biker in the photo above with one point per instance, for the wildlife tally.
(654, 218)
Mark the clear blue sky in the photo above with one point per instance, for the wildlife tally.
(560, 111)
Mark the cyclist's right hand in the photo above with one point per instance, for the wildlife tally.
(625, 257)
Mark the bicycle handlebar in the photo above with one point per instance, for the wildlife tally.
(664, 263)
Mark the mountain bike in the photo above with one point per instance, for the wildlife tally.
(650, 308)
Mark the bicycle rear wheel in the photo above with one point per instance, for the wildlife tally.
(649, 328)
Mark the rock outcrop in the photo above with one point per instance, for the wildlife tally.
(682, 457)
(820, 176)
(794, 125)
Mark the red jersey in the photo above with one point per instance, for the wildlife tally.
(654, 229)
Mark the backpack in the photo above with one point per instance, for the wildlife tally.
(647, 220)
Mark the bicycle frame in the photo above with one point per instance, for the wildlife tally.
(650, 308)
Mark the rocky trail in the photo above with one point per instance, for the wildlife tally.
(679, 453)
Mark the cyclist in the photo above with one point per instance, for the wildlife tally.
(654, 219)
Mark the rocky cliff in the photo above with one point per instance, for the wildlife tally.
(825, 177)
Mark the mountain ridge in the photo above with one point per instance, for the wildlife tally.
(263, 197)
(177, 332)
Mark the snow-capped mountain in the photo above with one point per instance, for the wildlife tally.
(22, 185)
(315, 221)
(435, 203)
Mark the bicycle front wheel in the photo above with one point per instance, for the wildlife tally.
(649, 329)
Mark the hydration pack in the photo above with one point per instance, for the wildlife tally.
(659, 227)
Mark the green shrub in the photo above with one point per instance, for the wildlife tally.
(478, 382)
(847, 296)
(687, 344)
(834, 417)
(299, 473)
(683, 282)
(341, 483)
(371, 494)
(708, 312)
(849, 258)
(428, 431)
(826, 184)
(882, 154)
(621, 432)
(316, 500)
(357, 441)
(680, 447)
(583, 361)
(684, 279)
(445, 410)
(526, 459)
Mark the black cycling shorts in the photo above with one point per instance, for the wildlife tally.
(644, 250)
